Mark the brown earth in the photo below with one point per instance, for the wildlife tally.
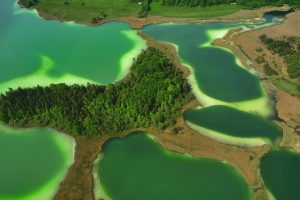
(79, 183)
(288, 108)
(245, 160)
(249, 41)
(245, 44)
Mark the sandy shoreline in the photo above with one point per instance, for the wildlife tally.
(79, 184)
(79, 181)
(286, 105)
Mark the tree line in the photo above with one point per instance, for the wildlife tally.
(28, 3)
(151, 95)
(245, 3)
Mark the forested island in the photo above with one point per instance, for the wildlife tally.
(153, 94)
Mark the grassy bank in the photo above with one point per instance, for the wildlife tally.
(93, 11)
(286, 85)
(86, 10)
(192, 12)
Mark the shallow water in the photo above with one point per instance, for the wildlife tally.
(136, 167)
(74, 53)
(35, 52)
(33, 162)
(217, 75)
(280, 170)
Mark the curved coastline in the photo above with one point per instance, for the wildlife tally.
(259, 105)
(127, 59)
(244, 106)
(100, 193)
(230, 140)
(136, 23)
(41, 78)
(47, 191)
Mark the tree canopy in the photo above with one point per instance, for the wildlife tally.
(245, 3)
(289, 49)
(153, 94)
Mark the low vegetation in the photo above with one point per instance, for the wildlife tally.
(90, 10)
(153, 94)
(289, 49)
(245, 3)
(157, 9)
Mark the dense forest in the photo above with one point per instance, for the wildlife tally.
(289, 49)
(151, 95)
(146, 4)
(245, 3)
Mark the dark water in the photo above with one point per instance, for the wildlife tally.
(136, 167)
(280, 170)
(233, 122)
(30, 160)
(216, 71)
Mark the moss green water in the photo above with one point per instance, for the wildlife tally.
(33, 162)
(34, 52)
(136, 167)
(218, 77)
(280, 170)
(235, 124)
(74, 53)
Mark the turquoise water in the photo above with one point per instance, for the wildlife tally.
(33, 162)
(39, 52)
(35, 51)
(136, 167)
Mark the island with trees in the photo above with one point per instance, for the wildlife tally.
(153, 94)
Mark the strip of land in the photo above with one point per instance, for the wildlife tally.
(97, 13)
(79, 184)
(286, 102)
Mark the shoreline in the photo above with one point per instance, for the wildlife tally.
(230, 140)
(165, 140)
(79, 183)
(66, 146)
(280, 100)
(238, 47)
(245, 160)
(255, 15)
